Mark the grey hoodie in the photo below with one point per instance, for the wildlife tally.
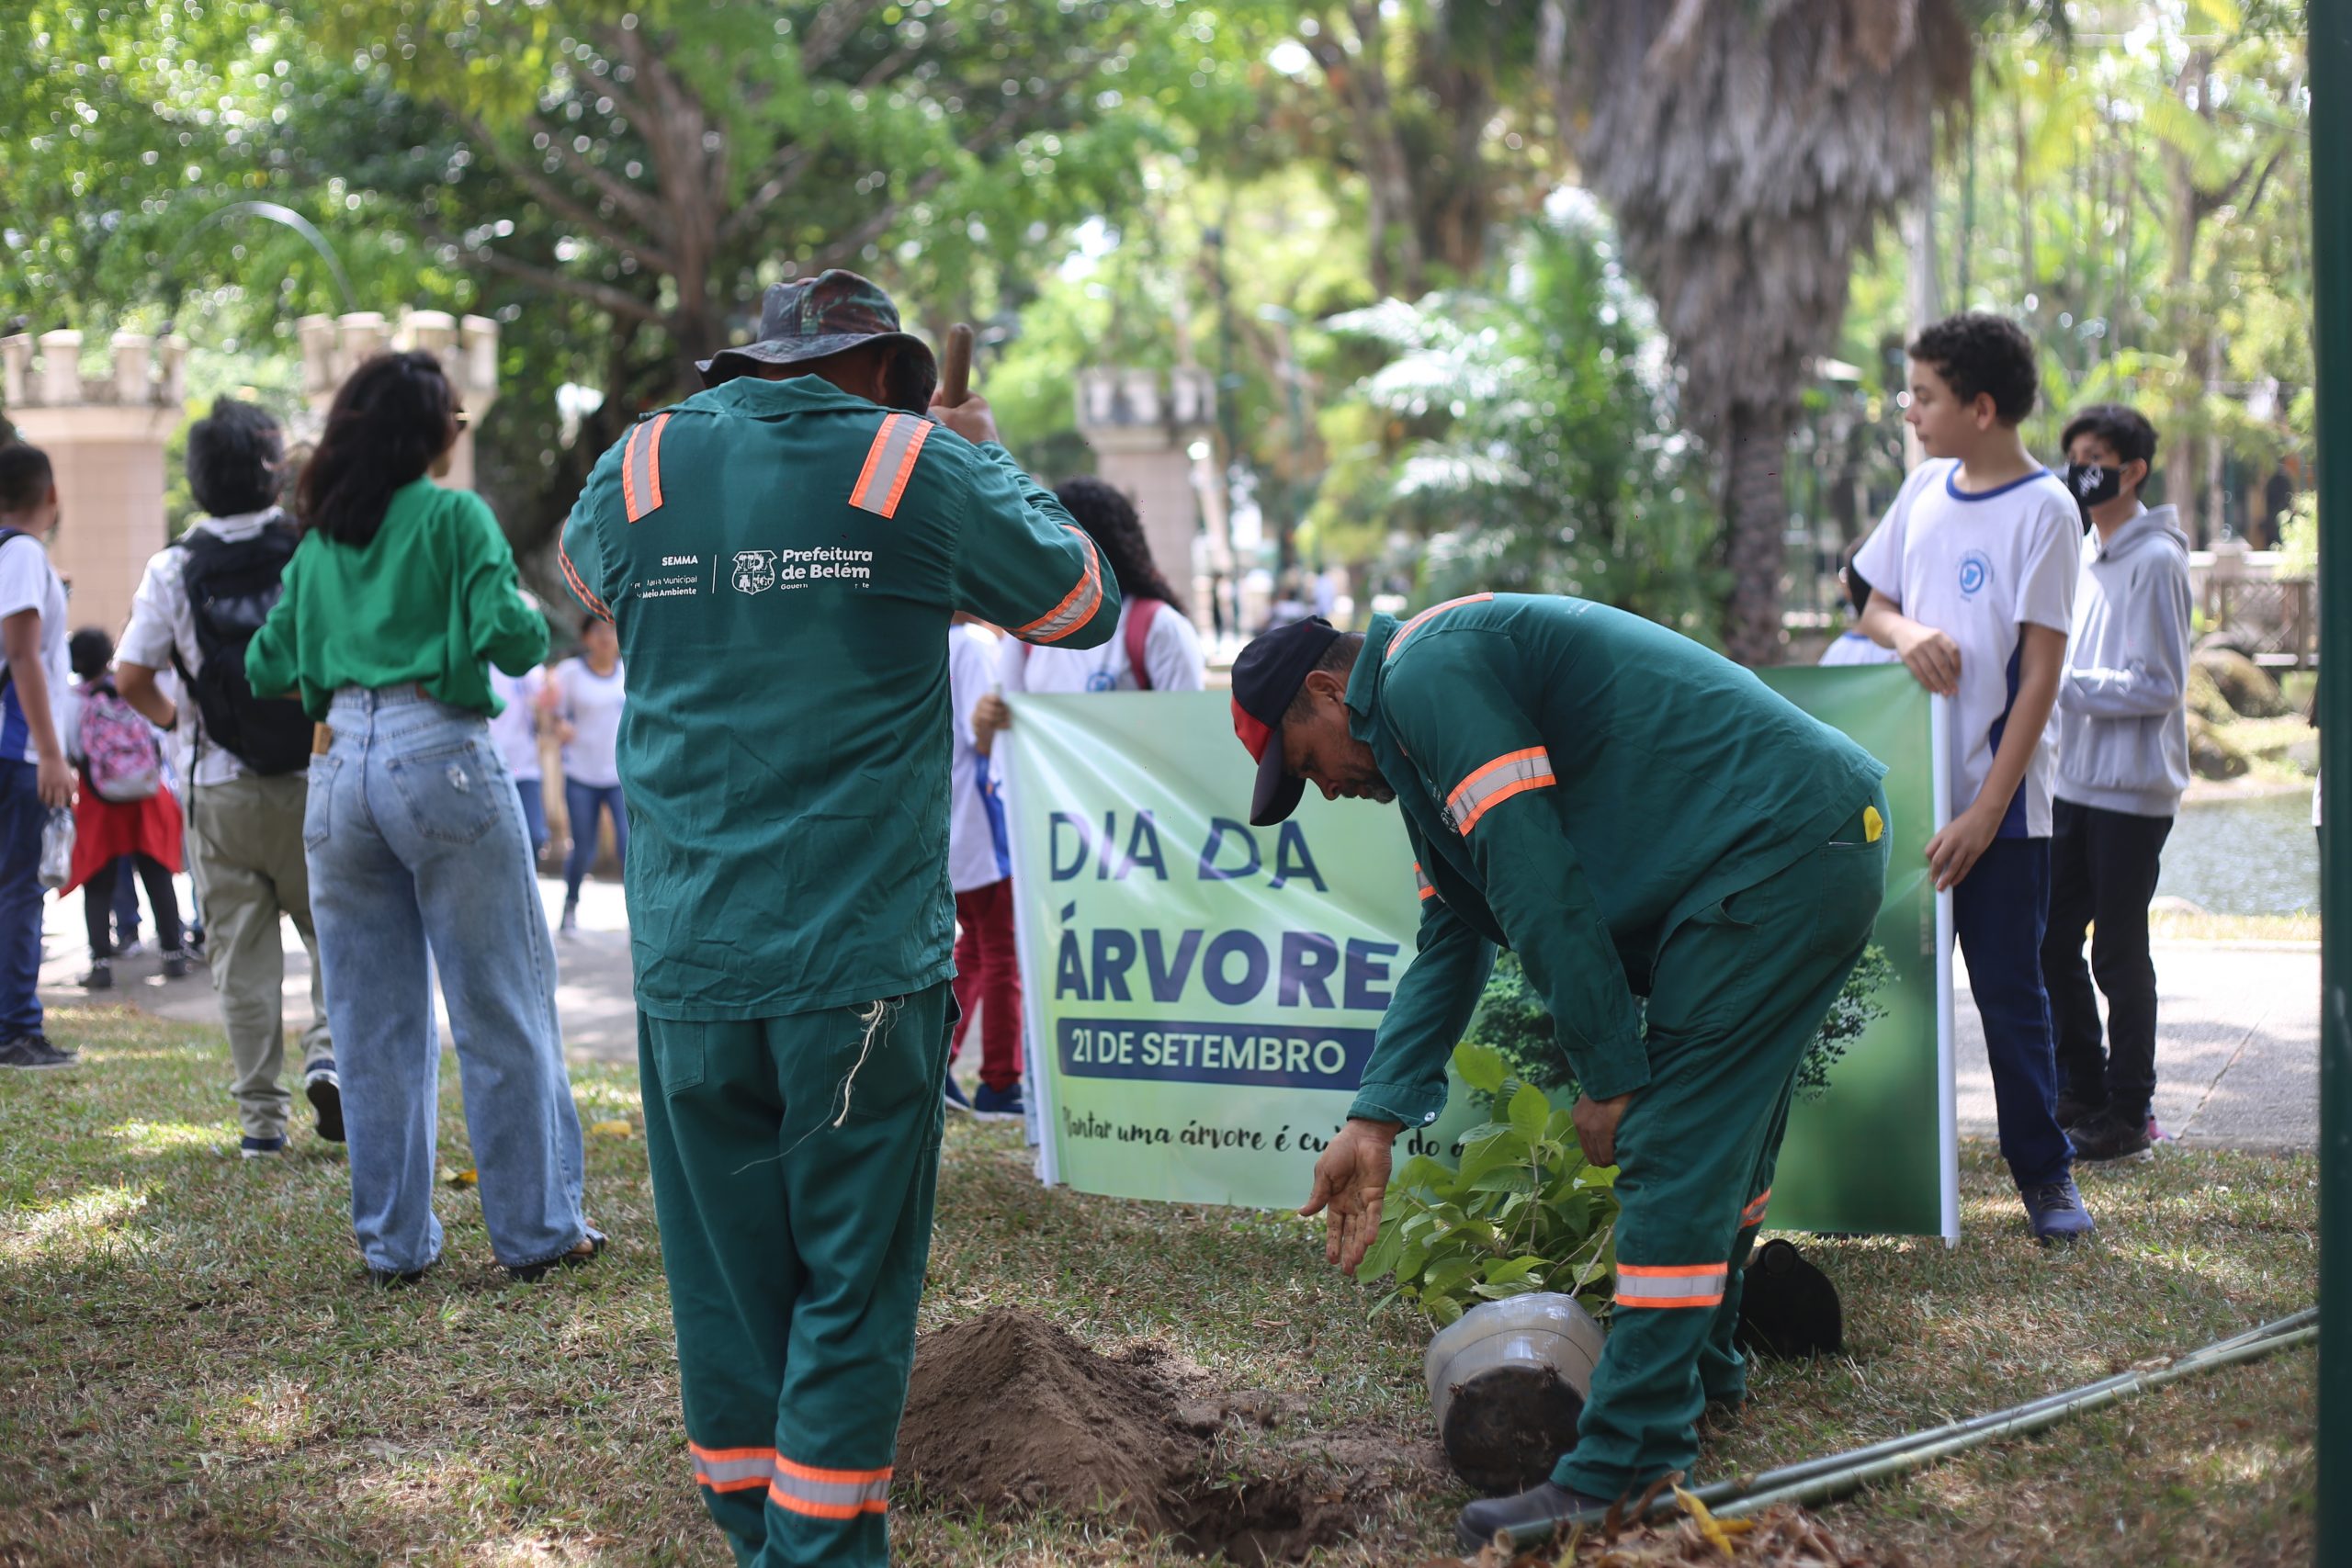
(2123, 718)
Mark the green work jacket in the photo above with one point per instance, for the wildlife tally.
(781, 560)
(1576, 783)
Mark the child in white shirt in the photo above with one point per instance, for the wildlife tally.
(1973, 573)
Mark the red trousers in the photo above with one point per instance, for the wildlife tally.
(989, 974)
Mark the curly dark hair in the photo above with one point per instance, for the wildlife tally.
(1110, 520)
(1977, 352)
(2126, 432)
(236, 458)
(392, 419)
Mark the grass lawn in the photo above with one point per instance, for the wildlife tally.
(198, 1371)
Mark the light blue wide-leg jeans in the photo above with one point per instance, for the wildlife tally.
(419, 859)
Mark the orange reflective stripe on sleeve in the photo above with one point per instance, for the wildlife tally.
(1409, 627)
(1421, 880)
(1754, 1213)
(1687, 1285)
(733, 1470)
(828, 1494)
(1077, 608)
(641, 469)
(889, 463)
(597, 606)
(1514, 772)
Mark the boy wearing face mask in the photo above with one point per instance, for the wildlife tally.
(2122, 764)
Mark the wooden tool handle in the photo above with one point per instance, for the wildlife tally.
(956, 366)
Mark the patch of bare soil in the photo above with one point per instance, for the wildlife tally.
(1009, 1411)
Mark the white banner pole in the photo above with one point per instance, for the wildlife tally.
(1038, 1087)
(1947, 1065)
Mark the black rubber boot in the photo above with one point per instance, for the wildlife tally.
(1530, 1516)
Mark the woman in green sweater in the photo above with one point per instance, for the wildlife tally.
(399, 596)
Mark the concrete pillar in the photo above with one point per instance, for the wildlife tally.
(104, 438)
(1142, 426)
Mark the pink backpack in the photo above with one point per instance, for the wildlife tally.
(124, 761)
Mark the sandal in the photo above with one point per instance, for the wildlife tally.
(584, 1253)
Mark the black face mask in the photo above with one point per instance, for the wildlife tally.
(2092, 483)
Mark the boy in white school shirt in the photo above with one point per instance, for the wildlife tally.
(1973, 571)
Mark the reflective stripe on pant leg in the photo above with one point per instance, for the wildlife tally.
(822, 1493)
(731, 1470)
(1680, 1285)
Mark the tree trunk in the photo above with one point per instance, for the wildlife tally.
(2191, 328)
(1755, 514)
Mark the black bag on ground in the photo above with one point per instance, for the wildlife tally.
(1788, 1307)
(232, 584)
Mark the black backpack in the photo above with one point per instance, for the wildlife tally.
(232, 586)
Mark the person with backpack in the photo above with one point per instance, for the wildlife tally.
(243, 759)
(124, 810)
(1156, 649)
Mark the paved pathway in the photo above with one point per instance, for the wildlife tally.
(2237, 1057)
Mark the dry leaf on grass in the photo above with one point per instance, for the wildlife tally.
(1780, 1538)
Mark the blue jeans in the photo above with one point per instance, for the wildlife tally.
(22, 817)
(582, 801)
(535, 815)
(1999, 913)
(413, 838)
(125, 904)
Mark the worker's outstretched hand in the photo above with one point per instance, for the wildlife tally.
(1596, 1123)
(1350, 1181)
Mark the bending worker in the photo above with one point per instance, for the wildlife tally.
(781, 555)
(1632, 815)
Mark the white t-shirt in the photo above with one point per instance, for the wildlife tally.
(162, 624)
(977, 848)
(515, 730)
(1977, 568)
(591, 704)
(29, 582)
(1172, 651)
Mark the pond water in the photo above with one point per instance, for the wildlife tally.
(2253, 855)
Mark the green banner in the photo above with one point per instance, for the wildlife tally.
(1202, 995)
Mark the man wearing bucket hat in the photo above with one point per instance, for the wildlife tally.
(781, 555)
(1633, 815)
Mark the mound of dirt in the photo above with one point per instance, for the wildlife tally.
(1007, 1412)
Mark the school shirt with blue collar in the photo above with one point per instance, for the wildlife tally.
(1980, 566)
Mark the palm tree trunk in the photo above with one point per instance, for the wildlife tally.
(1755, 513)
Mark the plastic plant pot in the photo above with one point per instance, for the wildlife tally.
(1507, 1380)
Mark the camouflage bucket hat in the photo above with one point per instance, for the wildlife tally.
(810, 319)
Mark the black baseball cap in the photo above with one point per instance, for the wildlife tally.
(1266, 678)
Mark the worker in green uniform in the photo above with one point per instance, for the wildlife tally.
(1634, 815)
(781, 555)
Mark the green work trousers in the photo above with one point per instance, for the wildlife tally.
(795, 1163)
(1738, 993)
